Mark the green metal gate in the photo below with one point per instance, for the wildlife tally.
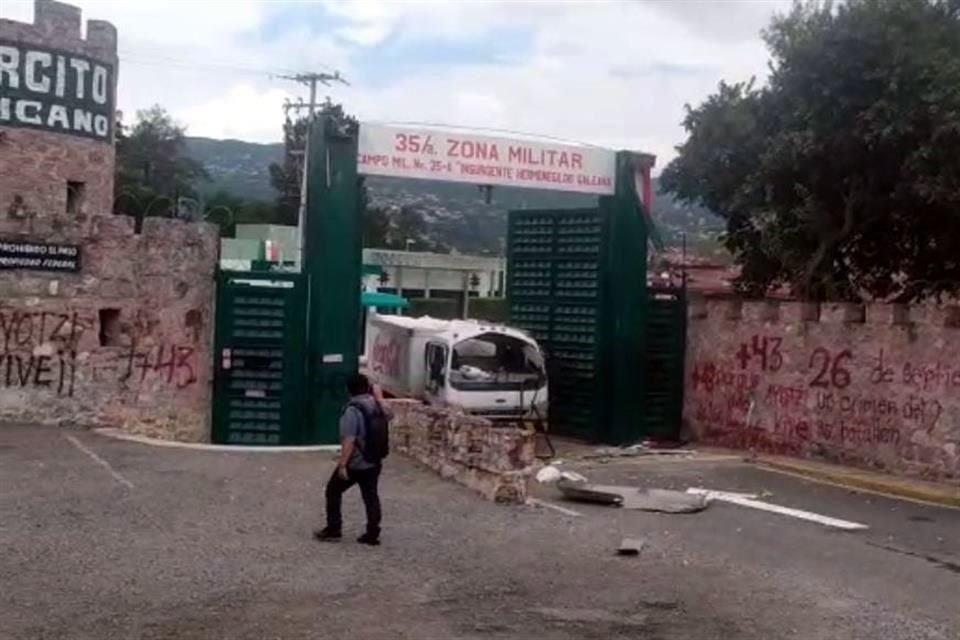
(566, 286)
(555, 292)
(259, 363)
(664, 362)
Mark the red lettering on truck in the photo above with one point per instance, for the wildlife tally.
(386, 355)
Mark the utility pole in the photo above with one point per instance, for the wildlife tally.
(311, 80)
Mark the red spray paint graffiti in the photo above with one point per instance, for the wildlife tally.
(749, 400)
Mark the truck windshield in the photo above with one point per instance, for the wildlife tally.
(496, 362)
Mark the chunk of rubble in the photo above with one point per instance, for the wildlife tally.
(660, 500)
(631, 546)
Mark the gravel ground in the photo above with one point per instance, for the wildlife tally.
(188, 544)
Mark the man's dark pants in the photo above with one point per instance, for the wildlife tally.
(367, 479)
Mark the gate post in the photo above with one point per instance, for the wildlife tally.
(625, 285)
(332, 264)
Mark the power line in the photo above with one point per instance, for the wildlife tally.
(311, 80)
(183, 64)
(160, 60)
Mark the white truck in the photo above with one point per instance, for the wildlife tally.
(486, 369)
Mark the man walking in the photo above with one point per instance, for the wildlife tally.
(364, 445)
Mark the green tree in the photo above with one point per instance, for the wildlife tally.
(379, 229)
(154, 173)
(840, 177)
(228, 210)
(286, 177)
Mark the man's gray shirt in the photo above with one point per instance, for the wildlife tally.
(353, 425)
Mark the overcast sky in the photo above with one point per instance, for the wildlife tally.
(615, 74)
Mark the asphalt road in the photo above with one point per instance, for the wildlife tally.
(107, 539)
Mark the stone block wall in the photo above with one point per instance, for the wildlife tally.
(496, 461)
(876, 386)
(36, 164)
(126, 342)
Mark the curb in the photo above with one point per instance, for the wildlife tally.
(866, 481)
(117, 434)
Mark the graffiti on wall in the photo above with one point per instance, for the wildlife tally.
(38, 350)
(778, 397)
(41, 350)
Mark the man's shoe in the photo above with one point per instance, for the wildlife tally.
(327, 535)
(369, 539)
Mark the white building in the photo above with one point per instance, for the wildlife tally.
(408, 273)
(423, 275)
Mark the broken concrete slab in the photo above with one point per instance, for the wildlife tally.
(662, 500)
(585, 492)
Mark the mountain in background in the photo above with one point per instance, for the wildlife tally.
(456, 213)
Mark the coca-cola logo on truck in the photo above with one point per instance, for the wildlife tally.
(386, 355)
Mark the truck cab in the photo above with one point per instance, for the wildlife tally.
(494, 372)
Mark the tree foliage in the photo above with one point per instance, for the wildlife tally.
(286, 177)
(229, 210)
(154, 172)
(841, 176)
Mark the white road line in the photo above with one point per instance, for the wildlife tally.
(203, 446)
(733, 498)
(534, 502)
(100, 461)
(720, 495)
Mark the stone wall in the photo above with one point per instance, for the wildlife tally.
(36, 165)
(876, 386)
(496, 461)
(126, 342)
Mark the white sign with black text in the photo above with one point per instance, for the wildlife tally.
(35, 256)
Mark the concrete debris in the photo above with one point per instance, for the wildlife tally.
(551, 474)
(548, 475)
(573, 476)
(711, 495)
(661, 500)
(585, 492)
(631, 546)
(637, 450)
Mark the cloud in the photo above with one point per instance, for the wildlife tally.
(721, 20)
(610, 73)
(243, 112)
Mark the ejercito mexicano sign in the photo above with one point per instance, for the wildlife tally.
(55, 91)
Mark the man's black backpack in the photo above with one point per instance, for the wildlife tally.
(376, 440)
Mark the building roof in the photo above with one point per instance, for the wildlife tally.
(383, 300)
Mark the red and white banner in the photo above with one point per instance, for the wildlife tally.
(435, 154)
